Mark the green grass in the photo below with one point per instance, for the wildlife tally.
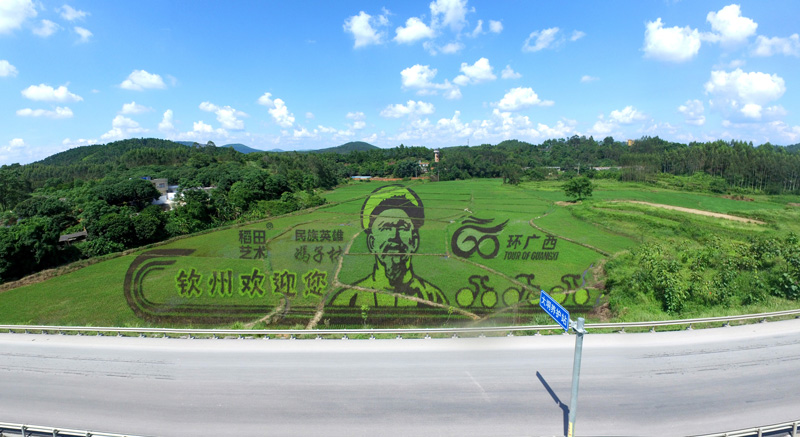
(585, 232)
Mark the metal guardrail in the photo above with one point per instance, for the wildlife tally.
(789, 428)
(46, 431)
(399, 332)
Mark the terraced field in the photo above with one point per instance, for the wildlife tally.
(379, 254)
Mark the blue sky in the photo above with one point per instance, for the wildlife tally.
(307, 75)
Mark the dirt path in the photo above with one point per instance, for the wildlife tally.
(694, 211)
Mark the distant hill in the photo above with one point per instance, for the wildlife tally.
(105, 153)
(794, 148)
(344, 148)
(347, 148)
(241, 148)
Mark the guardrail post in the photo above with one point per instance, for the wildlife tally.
(760, 434)
(24, 430)
(55, 432)
(794, 429)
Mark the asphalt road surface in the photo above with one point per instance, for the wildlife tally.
(670, 383)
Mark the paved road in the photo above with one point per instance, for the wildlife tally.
(674, 383)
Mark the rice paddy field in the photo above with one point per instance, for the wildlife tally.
(479, 256)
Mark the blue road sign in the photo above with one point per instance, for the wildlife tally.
(554, 310)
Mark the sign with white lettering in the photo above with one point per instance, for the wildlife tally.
(554, 310)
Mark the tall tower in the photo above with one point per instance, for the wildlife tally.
(436, 155)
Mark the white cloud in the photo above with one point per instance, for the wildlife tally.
(449, 13)
(200, 127)
(227, 116)
(68, 143)
(576, 35)
(752, 110)
(603, 127)
(70, 14)
(208, 107)
(202, 132)
(448, 49)
(500, 126)
(542, 39)
(310, 115)
(627, 115)
(121, 128)
(46, 28)
(410, 108)
(495, 26)
(304, 133)
(59, 112)
(478, 30)
(7, 70)
(364, 29)
(335, 134)
(13, 151)
(509, 73)
(480, 71)
(693, 111)
(370, 139)
(738, 94)
(520, 98)
(454, 126)
(420, 77)
(280, 113)
(134, 108)
(13, 13)
(777, 46)
(451, 48)
(266, 100)
(124, 123)
(358, 120)
(781, 131)
(140, 80)
(166, 124)
(414, 31)
(84, 34)
(730, 25)
(671, 44)
(47, 93)
(587, 78)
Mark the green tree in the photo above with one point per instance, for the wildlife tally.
(512, 174)
(406, 168)
(578, 188)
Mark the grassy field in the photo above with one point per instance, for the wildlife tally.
(287, 271)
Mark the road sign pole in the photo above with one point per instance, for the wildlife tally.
(576, 375)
